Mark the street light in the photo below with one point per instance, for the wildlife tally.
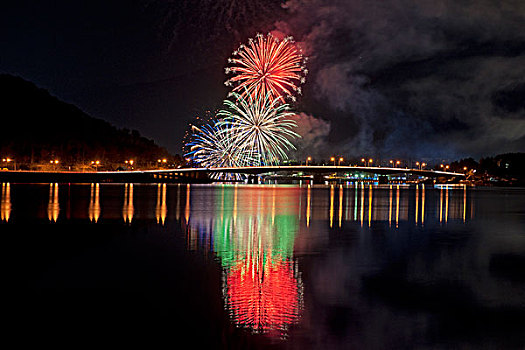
(332, 159)
(7, 161)
(397, 162)
(340, 160)
(130, 162)
(161, 162)
(367, 162)
(391, 163)
(55, 163)
(308, 159)
(96, 163)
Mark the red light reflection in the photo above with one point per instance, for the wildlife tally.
(264, 294)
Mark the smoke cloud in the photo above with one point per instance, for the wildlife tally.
(424, 79)
(314, 133)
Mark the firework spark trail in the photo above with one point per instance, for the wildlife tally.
(263, 130)
(209, 20)
(214, 146)
(267, 66)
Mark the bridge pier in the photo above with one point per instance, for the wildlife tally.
(318, 178)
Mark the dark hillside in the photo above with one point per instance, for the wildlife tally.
(37, 127)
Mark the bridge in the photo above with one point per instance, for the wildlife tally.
(202, 175)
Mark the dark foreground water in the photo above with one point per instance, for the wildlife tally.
(252, 266)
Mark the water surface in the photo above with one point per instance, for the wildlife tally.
(249, 266)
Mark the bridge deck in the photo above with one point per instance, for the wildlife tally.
(318, 169)
(201, 174)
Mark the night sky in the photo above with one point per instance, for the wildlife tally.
(428, 79)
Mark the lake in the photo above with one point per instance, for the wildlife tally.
(263, 266)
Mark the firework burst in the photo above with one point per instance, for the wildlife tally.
(267, 66)
(262, 128)
(213, 146)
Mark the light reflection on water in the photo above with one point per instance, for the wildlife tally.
(94, 203)
(5, 204)
(253, 235)
(253, 229)
(262, 235)
(359, 203)
(161, 209)
(53, 206)
(128, 208)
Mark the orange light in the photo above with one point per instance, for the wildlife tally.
(370, 160)
(341, 159)
(362, 159)
(332, 159)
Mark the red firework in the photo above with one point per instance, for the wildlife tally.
(267, 66)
